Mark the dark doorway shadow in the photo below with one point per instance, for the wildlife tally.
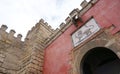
(100, 60)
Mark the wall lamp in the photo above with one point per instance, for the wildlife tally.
(75, 20)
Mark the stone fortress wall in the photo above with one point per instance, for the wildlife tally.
(11, 51)
(27, 57)
(23, 57)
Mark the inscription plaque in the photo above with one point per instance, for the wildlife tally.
(85, 32)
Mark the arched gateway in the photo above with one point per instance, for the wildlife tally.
(98, 55)
(100, 60)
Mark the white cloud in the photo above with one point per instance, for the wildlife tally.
(21, 15)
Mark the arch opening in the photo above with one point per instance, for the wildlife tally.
(100, 60)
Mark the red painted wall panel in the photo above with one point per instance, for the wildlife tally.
(105, 12)
(57, 54)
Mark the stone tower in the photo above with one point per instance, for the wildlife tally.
(23, 57)
(34, 44)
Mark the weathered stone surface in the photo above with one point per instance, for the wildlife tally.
(18, 57)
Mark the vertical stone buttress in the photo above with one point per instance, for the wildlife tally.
(32, 62)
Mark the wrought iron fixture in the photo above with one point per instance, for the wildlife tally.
(75, 20)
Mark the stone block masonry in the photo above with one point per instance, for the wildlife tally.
(23, 57)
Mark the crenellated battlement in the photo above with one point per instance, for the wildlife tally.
(75, 13)
(39, 33)
(9, 36)
(3, 28)
(63, 26)
(39, 25)
(46, 25)
(84, 3)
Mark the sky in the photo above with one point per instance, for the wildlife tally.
(22, 15)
